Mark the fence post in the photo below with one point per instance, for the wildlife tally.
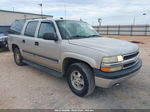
(119, 30)
(107, 29)
(146, 30)
(131, 30)
(99, 29)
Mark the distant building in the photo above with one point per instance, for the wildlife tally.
(7, 17)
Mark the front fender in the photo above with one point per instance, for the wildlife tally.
(83, 58)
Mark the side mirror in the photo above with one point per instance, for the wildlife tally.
(50, 36)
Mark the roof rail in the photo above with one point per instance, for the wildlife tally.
(32, 18)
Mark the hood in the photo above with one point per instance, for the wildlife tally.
(108, 46)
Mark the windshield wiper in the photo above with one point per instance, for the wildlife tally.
(83, 36)
(94, 36)
(78, 36)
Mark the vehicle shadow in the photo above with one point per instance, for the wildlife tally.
(4, 50)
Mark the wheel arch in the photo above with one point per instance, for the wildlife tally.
(14, 46)
(76, 58)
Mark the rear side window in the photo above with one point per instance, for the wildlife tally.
(31, 28)
(17, 26)
(46, 27)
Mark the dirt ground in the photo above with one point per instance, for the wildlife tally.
(28, 88)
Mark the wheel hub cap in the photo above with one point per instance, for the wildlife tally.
(77, 80)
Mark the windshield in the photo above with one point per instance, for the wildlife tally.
(70, 29)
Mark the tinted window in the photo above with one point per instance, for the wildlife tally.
(46, 28)
(17, 26)
(31, 28)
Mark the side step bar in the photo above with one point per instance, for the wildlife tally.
(43, 68)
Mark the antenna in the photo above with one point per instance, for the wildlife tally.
(41, 5)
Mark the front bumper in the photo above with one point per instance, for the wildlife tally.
(106, 80)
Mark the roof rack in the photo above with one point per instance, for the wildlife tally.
(32, 18)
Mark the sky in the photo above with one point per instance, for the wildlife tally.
(112, 12)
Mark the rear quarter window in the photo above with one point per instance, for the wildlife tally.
(17, 27)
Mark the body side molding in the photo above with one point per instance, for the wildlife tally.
(43, 68)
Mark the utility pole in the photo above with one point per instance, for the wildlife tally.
(41, 5)
(13, 9)
(100, 23)
(135, 18)
(65, 12)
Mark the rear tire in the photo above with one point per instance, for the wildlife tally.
(80, 79)
(17, 57)
(1, 48)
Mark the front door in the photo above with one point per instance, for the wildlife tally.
(47, 52)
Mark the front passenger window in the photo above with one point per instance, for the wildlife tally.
(46, 27)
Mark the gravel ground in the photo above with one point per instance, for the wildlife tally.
(29, 88)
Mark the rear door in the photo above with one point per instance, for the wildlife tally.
(28, 39)
(47, 51)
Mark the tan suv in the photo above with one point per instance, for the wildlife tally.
(73, 49)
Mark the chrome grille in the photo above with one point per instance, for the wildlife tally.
(132, 59)
(126, 57)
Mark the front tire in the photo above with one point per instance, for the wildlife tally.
(80, 79)
(17, 57)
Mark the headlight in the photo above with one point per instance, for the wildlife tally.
(110, 60)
